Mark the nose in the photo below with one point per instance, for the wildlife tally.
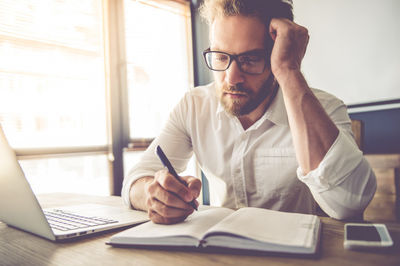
(233, 75)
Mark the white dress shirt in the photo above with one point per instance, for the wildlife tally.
(257, 167)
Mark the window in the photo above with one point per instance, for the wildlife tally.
(55, 105)
(159, 68)
(158, 45)
(52, 86)
(86, 174)
(52, 89)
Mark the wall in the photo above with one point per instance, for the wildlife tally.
(354, 54)
(357, 66)
(353, 50)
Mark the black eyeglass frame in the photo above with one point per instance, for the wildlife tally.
(235, 57)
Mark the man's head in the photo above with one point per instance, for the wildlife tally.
(239, 30)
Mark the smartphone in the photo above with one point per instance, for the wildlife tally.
(366, 236)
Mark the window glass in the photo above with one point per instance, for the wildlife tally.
(133, 157)
(158, 62)
(52, 90)
(52, 83)
(77, 174)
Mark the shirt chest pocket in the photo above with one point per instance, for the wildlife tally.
(285, 156)
(274, 170)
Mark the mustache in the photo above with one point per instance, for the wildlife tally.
(238, 88)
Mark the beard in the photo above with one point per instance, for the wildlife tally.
(249, 99)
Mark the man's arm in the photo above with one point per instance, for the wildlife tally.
(156, 191)
(137, 193)
(312, 130)
(338, 176)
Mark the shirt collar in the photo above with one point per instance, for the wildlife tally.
(220, 108)
(276, 112)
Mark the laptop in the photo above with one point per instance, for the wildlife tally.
(20, 208)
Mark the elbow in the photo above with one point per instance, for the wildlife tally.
(355, 205)
(347, 215)
(343, 212)
(350, 200)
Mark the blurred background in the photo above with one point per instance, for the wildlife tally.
(86, 85)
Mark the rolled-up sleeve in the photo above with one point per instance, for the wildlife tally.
(344, 183)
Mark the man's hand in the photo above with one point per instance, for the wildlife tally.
(290, 46)
(165, 198)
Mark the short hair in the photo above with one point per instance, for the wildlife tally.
(264, 10)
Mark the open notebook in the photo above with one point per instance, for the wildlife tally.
(20, 208)
(245, 229)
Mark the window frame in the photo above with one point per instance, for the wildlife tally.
(117, 105)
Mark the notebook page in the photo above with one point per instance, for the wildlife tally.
(195, 226)
(270, 226)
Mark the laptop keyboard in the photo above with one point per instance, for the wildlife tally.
(64, 221)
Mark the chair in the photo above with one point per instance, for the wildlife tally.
(357, 126)
(385, 205)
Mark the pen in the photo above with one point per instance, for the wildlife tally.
(172, 171)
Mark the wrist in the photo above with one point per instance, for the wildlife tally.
(293, 85)
(286, 75)
(137, 193)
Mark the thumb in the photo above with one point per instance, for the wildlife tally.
(194, 185)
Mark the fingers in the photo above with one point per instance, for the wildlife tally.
(171, 184)
(282, 24)
(167, 214)
(167, 199)
(277, 24)
(159, 219)
(290, 43)
(157, 192)
(285, 27)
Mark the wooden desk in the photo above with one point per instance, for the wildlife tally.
(20, 248)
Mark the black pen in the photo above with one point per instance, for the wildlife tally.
(172, 171)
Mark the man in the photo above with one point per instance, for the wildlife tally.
(262, 137)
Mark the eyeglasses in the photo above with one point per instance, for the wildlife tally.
(252, 62)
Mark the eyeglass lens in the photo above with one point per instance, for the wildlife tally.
(248, 63)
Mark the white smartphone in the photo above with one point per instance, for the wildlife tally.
(366, 236)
